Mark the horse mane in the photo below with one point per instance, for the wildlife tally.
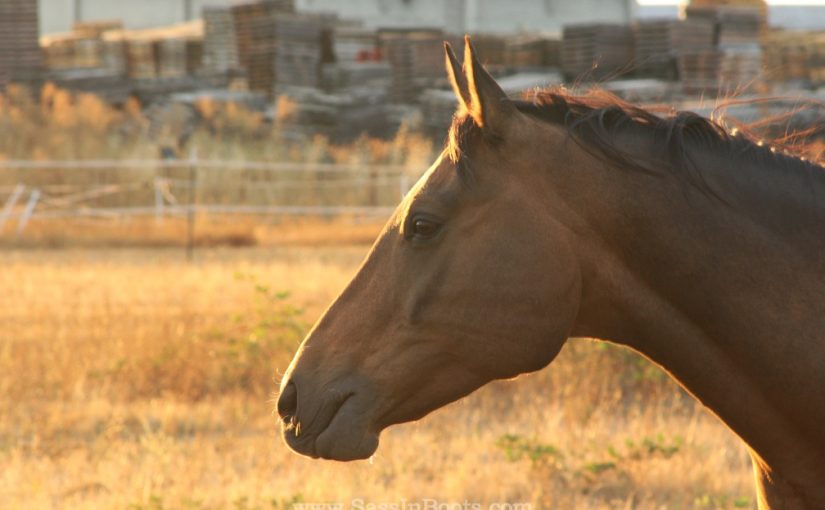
(600, 122)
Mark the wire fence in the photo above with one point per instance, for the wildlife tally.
(43, 190)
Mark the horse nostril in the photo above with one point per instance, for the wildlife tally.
(288, 401)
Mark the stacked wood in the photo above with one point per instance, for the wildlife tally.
(491, 47)
(532, 51)
(255, 38)
(596, 51)
(760, 7)
(735, 62)
(95, 29)
(660, 42)
(719, 71)
(417, 60)
(220, 47)
(20, 59)
(298, 50)
(796, 56)
(165, 52)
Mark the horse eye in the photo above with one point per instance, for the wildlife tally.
(424, 228)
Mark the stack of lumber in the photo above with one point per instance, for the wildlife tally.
(163, 52)
(255, 38)
(492, 49)
(796, 56)
(20, 59)
(417, 60)
(298, 50)
(760, 7)
(660, 42)
(720, 71)
(95, 29)
(532, 51)
(220, 48)
(735, 61)
(596, 51)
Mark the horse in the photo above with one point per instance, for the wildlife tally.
(567, 215)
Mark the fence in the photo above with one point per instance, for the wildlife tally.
(44, 190)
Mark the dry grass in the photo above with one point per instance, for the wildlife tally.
(58, 124)
(130, 379)
(209, 231)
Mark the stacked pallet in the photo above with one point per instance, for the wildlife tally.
(255, 37)
(95, 29)
(796, 57)
(660, 42)
(178, 57)
(298, 50)
(165, 52)
(532, 51)
(786, 55)
(596, 51)
(417, 61)
(220, 48)
(492, 48)
(720, 71)
(20, 59)
(735, 62)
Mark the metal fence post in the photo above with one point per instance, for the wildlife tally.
(159, 202)
(5, 214)
(193, 199)
(28, 211)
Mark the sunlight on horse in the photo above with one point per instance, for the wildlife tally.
(582, 216)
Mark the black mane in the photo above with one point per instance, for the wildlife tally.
(601, 123)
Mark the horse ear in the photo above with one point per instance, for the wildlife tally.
(457, 78)
(490, 106)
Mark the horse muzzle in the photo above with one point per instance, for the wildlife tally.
(330, 424)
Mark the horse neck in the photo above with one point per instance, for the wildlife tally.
(707, 293)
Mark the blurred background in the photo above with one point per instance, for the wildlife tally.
(186, 184)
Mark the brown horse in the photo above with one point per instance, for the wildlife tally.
(570, 216)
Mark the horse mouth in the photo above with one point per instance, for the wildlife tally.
(330, 434)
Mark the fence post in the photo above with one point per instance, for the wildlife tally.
(28, 211)
(193, 198)
(7, 208)
(159, 203)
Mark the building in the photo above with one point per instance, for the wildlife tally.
(457, 16)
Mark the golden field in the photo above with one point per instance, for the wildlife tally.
(132, 379)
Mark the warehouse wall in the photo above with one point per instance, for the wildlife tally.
(489, 16)
(456, 16)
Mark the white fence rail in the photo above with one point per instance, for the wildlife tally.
(32, 190)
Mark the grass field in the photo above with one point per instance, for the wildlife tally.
(131, 379)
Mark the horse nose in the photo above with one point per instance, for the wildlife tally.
(288, 401)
